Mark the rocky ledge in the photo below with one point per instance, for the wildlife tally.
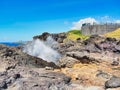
(19, 71)
(92, 64)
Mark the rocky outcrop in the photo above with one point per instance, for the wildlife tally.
(67, 62)
(114, 82)
(19, 71)
(15, 56)
(23, 78)
(57, 37)
(84, 65)
(96, 49)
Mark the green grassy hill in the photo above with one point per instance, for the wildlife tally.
(114, 34)
(74, 34)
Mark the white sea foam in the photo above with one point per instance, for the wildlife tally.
(43, 49)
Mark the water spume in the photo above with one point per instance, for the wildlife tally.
(43, 49)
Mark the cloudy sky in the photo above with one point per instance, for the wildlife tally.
(22, 19)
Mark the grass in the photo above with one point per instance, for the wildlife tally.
(114, 34)
(75, 34)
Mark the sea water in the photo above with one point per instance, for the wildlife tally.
(10, 43)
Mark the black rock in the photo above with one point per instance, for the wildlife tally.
(16, 76)
(115, 63)
(42, 37)
(114, 82)
(3, 85)
(3, 73)
(103, 74)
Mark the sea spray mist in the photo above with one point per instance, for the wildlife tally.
(43, 49)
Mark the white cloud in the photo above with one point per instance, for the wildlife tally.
(78, 25)
(102, 20)
(106, 19)
(117, 21)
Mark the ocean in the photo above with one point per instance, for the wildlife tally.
(10, 44)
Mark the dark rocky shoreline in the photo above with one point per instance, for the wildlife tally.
(20, 71)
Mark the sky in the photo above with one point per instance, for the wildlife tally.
(23, 19)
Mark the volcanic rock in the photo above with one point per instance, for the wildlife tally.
(66, 61)
(57, 37)
(85, 65)
(114, 82)
(12, 56)
(43, 36)
(19, 71)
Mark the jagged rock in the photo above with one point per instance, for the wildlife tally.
(78, 40)
(16, 76)
(67, 61)
(57, 37)
(10, 67)
(108, 39)
(93, 39)
(15, 57)
(60, 37)
(69, 43)
(43, 36)
(44, 81)
(115, 63)
(93, 48)
(3, 73)
(114, 82)
(3, 85)
(34, 73)
(83, 57)
(117, 49)
(103, 74)
(27, 78)
(26, 72)
(8, 79)
(99, 44)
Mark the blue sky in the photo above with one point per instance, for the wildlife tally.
(22, 19)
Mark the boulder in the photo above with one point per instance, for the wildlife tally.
(103, 74)
(43, 81)
(93, 39)
(57, 37)
(42, 37)
(83, 57)
(3, 85)
(66, 61)
(114, 82)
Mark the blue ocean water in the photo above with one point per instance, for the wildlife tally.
(10, 43)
